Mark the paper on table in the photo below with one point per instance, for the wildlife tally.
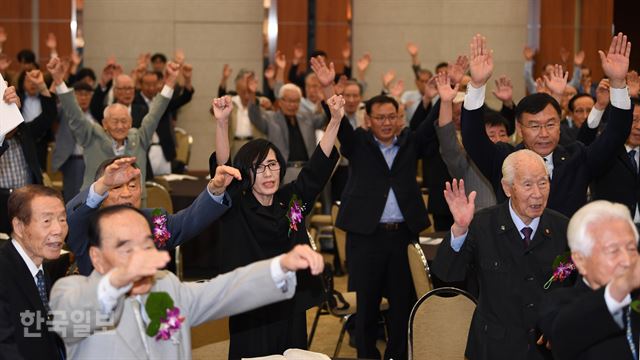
(10, 116)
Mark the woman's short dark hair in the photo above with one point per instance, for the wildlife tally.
(253, 154)
(380, 99)
(534, 103)
(94, 231)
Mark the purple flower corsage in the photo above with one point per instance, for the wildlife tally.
(160, 232)
(296, 208)
(562, 267)
(165, 317)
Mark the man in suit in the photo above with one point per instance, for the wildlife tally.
(19, 163)
(118, 182)
(67, 155)
(293, 132)
(126, 275)
(509, 249)
(571, 167)
(619, 180)
(39, 227)
(123, 93)
(593, 319)
(382, 212)
(116, 135)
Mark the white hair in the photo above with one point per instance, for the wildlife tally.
(511, 163)
(289, 87)
(107, 110)
(579, 232)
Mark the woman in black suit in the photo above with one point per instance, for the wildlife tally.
(266, 219)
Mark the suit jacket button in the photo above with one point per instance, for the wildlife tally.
(529, 278)
(495, 264)
(485, 328)
(532, 331)
(530, 305)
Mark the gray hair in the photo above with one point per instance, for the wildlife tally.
(512, 161)
(242, 73)
(579, 234)
(107, 110)
(289, 87)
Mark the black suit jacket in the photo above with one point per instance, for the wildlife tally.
(574, 166)
(19, 294)
(618, 182)
(510, 278)
(366, 191)
(580, 326)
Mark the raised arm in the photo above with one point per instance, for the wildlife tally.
(221, 110)
(556, 82)
(159, 105)
(530, 83)
(336, 106)
(452, 153)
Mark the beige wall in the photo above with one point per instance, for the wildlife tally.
(211, 33)
(442, 29)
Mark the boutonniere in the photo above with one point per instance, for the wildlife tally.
(562, 267)
(635, 306)
(165, 317)
(294, 214)
(160, 233)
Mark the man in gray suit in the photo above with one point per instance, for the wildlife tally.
(67, 155)
(112, 313)
(293, 132)
(116, 135)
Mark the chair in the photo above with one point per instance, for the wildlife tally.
(439, 324)
(420, 272)
(158, 197)
(55, 178)
(184, 141)
(340, 237)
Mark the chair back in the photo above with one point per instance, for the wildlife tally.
(439, 324)
(158, 197)
(184, 141)
(419, 270)
(339, 235)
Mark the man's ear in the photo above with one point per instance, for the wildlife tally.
(506, 187)
(18, 227)
(580, 260)
(97, 259)
(367, 120)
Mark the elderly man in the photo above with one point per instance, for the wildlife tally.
(293, 132)
(121, 289)
(123, 93)
(119, 183)
(593, 319)
(116, 136)
(572, 167)
(39, 227)
(511, 247)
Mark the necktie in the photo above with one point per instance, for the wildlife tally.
(526, 231)
(629, 330)
(42, 289)
(632, 157)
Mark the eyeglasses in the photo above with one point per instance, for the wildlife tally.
(382, 118)
(127, 88)
(272, 165)
(290, 101)
(537, 127)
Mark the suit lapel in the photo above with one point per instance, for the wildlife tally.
(508, 234)
(559, 161)
(543, 232)
(624, 158)
(23, 278)
(130, 331)
(376, 149)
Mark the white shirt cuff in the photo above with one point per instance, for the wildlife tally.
(94, 200)
(457, 242)
(216, 198)
(1, 140)
(620, 98)
(474, 99)
(595, 115)
(615, 307)
(167, 92)
(108, 295)
(62, 89)
(280, 277)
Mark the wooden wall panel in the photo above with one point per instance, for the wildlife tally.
(595, 33)
(55, 17)
(292, 28)
(333, 29)
(557, 29)
(16, 20)
(625, 19)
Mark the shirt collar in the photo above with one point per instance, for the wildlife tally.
(520, 224)
(30, 264)
(548, 158)
(383, 146)
(629, 148)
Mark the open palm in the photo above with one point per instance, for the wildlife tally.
(480, 61)
(616, 62)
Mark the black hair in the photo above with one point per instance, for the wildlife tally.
(635, 101)
(534, 103)
(26, 56)
(576, 97)
(442, 64)
(424, 71)
(159, 74)
(317, 53)
(252, 154)
(84, 72)
(380, 99)
(158, 56)
(82, 86)
(20, 83)
(94, 231)
(494, 118)
(103, 165)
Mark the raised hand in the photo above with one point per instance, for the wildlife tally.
(396, 89)
(338, 88)
(430, 91)
(346, 52)
(298, 54)
(171, 72)
(528, 53)
(226, 71)
(387, 78)
(458, 69)
(446, 92)
(179, 56)
(325, 74)
(461, 206)
(281, 60)
(75, 58)
(52, 42)
(504, 90)
(187, 71)
(616, 62)
(564, 55)
(578, 58)
(336, 106)
(556, 81)
(602, 94)
(222, 178)
(633, 82)
(141, 264)
(116, 174)
(270, 72)
(412, 49)
(36, 77)
(56, 69)
(480, 62)
(363, 62)
(222, 108)
(540, 86)
(302, 257)
(3, 35)
(11, 97)
(143, 60)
